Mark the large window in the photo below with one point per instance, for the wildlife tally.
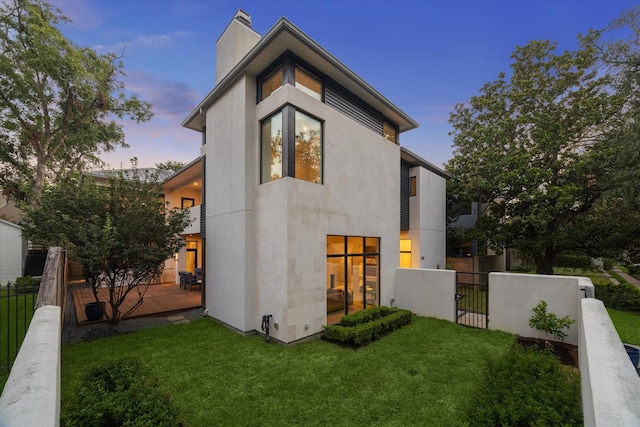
(291, 145)
(308, 164)
(353, 275)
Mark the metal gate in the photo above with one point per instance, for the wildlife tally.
(472, 299)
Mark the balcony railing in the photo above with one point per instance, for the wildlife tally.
(194, 228)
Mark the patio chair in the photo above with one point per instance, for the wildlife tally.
(183, 281)
(190, 280)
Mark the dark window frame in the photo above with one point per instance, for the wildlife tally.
(183, 199)
(288, 141)
(413, 186)
(341, 99)
(364, 255)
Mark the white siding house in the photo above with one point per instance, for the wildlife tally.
(11, 252)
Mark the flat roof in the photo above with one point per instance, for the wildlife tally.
(416, 160)
(285, 36)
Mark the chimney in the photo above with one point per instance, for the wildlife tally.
(234, 43)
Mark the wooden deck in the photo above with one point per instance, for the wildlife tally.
(159, 299)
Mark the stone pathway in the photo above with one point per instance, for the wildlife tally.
(630, 279)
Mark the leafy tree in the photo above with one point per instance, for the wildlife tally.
(170, 165)
(530, 148)
(121, 232)
(616, 219)
(58, 102)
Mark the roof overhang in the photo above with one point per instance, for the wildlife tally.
(282, 37)
(185, 176)
(10, 224)
(416, 160)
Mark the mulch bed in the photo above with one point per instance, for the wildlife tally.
(567, 353)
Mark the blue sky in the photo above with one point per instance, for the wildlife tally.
(424, 56)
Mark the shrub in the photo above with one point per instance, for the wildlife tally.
(577, 261)
(119, 393)
(364, 316)
(549, 323)
(526, 388)
(623, 297)
(523, 269)
(363, 332)
(634, 269)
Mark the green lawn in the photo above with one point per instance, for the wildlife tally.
(423, 374)
(597, 278)
(12, 330)
(627, 324)
(474, 299)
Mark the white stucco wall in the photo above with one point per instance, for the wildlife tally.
(359, 197)
(230, 183)
(513, 296)
(11, 251)
(426, 292)
(610, 384)
(234, 43)
(31, 396)
(428, 220)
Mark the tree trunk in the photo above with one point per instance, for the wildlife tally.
(544, 262)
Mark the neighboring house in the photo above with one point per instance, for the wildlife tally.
(9, 211)
(464, 257)
(12, 252)
(307, 192)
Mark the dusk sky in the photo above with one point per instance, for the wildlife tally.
(424, 56)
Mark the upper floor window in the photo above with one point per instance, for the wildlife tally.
(289, 69)
(297, 154)
(413, 186)
(271, 83)
(308, 83)
(389, 131)
(271, 148)
(308, 164)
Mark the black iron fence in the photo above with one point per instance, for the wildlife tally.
(17, 302)
(472, 299)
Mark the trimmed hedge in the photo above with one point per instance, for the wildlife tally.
(364, 316)
(367, 327)
(623, 297)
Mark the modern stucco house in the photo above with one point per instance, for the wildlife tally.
(309, 204)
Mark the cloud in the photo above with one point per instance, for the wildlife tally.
(160, 40)
(162, 138)
(155, 142)
(145, 41)
(83, 14)
(172, 100)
